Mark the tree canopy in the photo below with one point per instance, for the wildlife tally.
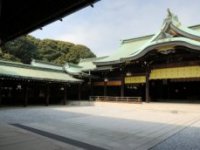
(26, 48)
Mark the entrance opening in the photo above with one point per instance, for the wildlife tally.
(175, 90)
(136, 90)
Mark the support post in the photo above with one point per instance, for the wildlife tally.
(91, 85)
(91, 89)
(122, 86)
(65, 95)
(26, 96)
(147, 85)
(168, 89)
(79, 91)
(105, 88)
(47, 95)
(0, 92)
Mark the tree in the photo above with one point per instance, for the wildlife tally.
(77, 52)
(22, 48)
(28, 47)
(7, 56)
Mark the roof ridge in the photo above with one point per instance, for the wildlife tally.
(137, 38)
(45, 62)
(92, 58)
(72, 65)
(150, 35)
(21, 65)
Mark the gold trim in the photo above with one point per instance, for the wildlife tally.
(135, 79)
(165, 48)
(98, 83)
(114, 83)
(176, 73)
(109, 83)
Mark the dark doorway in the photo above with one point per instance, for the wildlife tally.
(135, 90)
(175, 90)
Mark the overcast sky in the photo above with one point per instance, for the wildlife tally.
(103, 27)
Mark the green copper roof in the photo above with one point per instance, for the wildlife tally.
(73, 69)
(18, 70)
(132, 47)
(87, 64)
(48, 65)
(164, 42)
(126, 49)
(195, 28)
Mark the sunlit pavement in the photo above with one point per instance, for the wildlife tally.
(101, 126)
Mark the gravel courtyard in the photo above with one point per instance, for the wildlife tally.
(102, 125)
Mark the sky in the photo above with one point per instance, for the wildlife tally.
(103, 27)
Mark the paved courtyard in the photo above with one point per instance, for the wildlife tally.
(102, 125)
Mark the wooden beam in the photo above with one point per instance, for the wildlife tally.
(177, 64)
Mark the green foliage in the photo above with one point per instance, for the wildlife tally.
(7, 56)
(28, 47)
(22, 48)
(77, 52)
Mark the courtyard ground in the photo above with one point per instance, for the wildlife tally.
(101, 125)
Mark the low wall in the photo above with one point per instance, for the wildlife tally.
(80, 103)
(99, 103)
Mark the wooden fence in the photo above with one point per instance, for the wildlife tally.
(116, 99)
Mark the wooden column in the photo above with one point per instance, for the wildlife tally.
(91, 89)
(105, 89)
(79, 91)
(147, 85)
(26, 95)
(47, 94)
(65, 95)
(0, 92)
(91, 85)
(122, 86)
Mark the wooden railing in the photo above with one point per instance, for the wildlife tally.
(116, 99)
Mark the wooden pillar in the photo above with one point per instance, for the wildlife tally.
(47, 94)
(26, 95)
(168, 89)
(91, 89)
(122, 86)
(0, 92)
(105, 88)
(79, 91)
(65, 94)
(91, 85)
(147, 86)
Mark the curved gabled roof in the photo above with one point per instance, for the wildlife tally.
(125, 50)
(172, 32)
(172, 42)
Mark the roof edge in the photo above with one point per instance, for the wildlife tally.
(91, 59)
(150, 35)
(21, 65)
(45, 62)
